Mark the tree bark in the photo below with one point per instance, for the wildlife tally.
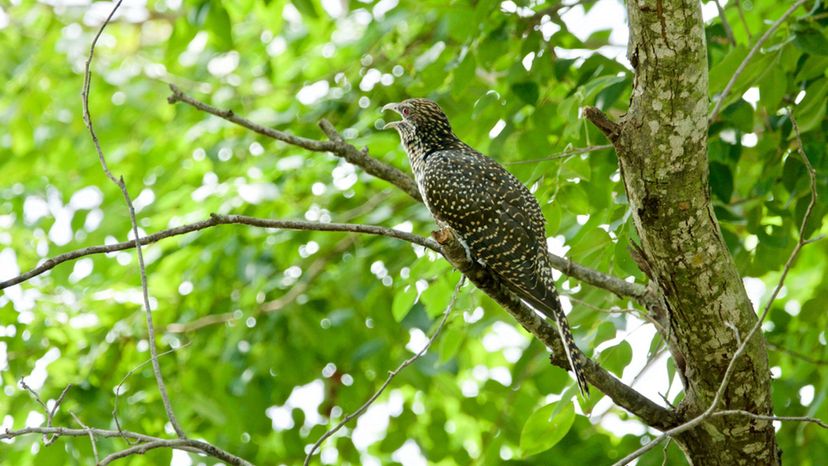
(662, 150)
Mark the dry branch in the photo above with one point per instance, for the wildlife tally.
(190, 445)
(119, 182)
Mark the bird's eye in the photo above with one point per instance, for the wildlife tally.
(406, 111)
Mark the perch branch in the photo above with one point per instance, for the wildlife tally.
(339, 147)
(336, 145)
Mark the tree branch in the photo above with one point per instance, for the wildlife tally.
(391, 375)
(623, 395)
(563, 155)
(340, 148)
(601, 121)
(148, 442)
(87, 119)
(749, 56)
(336, 145)
(740, 412)
(573, 269)
(216, 219)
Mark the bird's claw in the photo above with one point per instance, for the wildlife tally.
(443, 235)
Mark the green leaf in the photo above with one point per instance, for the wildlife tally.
(740, 115)
(306, 8)
(616, 358)
(437, 296)
(721, 181)
(546, 427)
(811, 111)
(772, 88)
(811, 40)
(527, 91)
(219, 26)
(403, 301)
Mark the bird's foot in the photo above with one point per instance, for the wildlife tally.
(446, 235)
(443, 235)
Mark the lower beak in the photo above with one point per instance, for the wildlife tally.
(395, 107)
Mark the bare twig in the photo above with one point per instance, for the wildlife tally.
(743, 346)
(214, 220)
(123, 380)
(725, 23)
(723, 96)
(742, 18)
(50, 413)
(573, 269)
(91, 436)
(336, 145)
(196, 446)
(741, 412)
(391, 375)
(87, 119)
(798, 355)
(563, 155)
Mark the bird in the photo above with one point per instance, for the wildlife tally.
(496, 218)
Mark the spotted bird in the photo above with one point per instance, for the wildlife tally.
(496, 218)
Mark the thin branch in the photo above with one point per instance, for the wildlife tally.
(725, 23)
(563, 155)
(123, 380)
(91, 436)
(336, 145)
(391, 375)
(196, 446)
(308, 276)
(50, 413)
(723, 96)
(178, 444)
(611, 129)
(216, 219)
(743, 346)
(572, 269)
(87, 119)
(795, 354)
(742, 18)
(741, 412)
(339, 147)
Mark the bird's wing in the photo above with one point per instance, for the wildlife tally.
(484, 204)
(502, 225)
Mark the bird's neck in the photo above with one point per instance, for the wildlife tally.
(419, 148)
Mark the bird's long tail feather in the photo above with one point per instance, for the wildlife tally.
(550, 306)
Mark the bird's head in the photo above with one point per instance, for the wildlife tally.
(423, 123)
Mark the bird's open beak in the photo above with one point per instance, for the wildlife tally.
(395, 107)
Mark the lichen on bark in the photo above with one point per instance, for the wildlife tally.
(662, 150)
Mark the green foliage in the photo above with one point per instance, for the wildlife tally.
(334, 313)
(546, 427)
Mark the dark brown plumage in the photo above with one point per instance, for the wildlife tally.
(491, 211)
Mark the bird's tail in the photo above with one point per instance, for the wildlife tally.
(545, 300)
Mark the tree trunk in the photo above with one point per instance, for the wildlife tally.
(662, 149)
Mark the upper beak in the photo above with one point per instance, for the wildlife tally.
(395, 107)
